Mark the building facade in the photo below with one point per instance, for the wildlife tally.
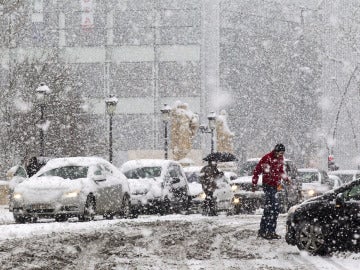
(262, 62)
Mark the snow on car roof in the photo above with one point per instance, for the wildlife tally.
(138, 163)
(73, 161)
(344, 172)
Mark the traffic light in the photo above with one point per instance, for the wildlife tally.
(331, 163)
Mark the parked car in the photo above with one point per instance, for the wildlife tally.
(157, 186)
(246, 201)
(72, 187)
(328, 222)
(346, 175)
(315, 182)
(17, 174)
(223, 194)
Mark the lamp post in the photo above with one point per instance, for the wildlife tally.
(41, 92)
(165, 112)
(111, 103)
(210, 128)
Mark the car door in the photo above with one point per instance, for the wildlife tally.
(99, 176)
(348, 212)
(114, 189)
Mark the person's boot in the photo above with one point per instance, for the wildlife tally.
(273, 235)
(265, 235)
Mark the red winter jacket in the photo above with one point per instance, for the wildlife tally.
(271, 168)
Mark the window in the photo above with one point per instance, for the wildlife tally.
(143, 172)
(20, 172)
(354, 193)
(68, 172)
(98, 170)
(174, 171)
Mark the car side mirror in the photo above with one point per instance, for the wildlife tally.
(340, 200)
(99, 178)
(175, 180)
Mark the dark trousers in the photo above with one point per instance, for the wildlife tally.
(271, 210)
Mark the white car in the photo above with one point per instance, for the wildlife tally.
(157, 186)
(72, 187)
(315, 182)
(223, 193)
(346, 175)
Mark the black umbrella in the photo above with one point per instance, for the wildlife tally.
(220, 157)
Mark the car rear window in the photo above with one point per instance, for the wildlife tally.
(143, 172)
(308, 177)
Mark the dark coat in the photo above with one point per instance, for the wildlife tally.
(272, 170)
(208, 176)
(33, 167)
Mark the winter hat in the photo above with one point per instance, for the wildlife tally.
(279, 148)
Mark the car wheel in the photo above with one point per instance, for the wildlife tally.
(311, 238)
(108, 215)
(125, 211)
(134, 212)
(60, 218)
(89, 209)
(20, 219)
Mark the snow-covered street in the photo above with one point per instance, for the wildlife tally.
(155, 242)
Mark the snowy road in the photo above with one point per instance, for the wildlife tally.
(155, 242)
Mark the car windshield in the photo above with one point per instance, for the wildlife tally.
(68, 172)
(143, 172)
(247, 168)
(308, 177)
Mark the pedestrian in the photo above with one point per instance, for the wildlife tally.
(271, 166)
(208, 176)
(33, 166)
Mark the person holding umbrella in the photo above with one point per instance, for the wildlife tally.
(271, 166)
(208, 176)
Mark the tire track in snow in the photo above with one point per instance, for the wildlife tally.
(88, 257)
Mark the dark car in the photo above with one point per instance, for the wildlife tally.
(246, 201)
(327, 223)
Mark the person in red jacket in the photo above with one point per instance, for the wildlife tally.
(271, 166)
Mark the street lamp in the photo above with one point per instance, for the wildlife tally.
(210, 128)
(41, 92)
(165, 112)
(111, 103)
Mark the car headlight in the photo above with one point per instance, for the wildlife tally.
(72, 194)
(236, 200)
(311, 192)
(17, 196)
(202, 196)
(234, 188)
